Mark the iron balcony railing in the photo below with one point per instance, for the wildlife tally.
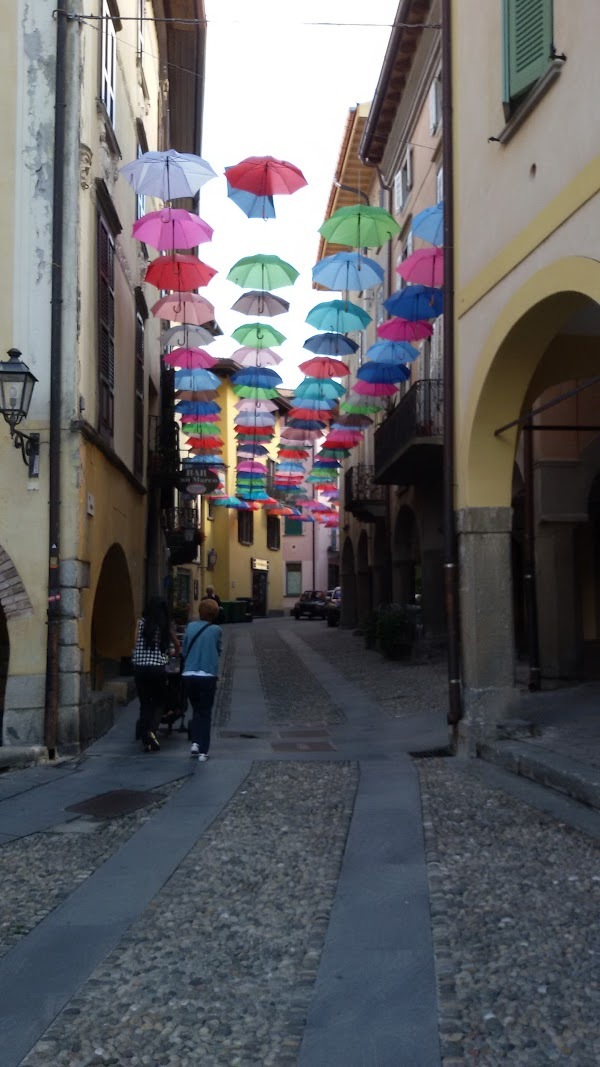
(184, 520)
(360, 485)
(420, 413)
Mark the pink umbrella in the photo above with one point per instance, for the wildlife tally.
(251, 467)
(256, 357)
(189, 359)
(374, 388)
(190, 308)
(292, 434)
(216, 417)
(404, 330)
(423, 267)
(172, 228)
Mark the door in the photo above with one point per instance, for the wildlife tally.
(259, 592)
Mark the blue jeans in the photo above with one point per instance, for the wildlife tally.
(200, 692)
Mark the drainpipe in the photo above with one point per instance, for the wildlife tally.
(455, 711)
(529, 563)
(54, 613)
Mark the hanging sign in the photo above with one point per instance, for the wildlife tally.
(197, 478)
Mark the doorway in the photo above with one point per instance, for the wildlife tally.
(259, 592)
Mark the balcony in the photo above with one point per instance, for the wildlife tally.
(409, 444)
(182, 533)
(362, 496)
(163, 453)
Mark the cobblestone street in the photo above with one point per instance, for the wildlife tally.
(313, 895)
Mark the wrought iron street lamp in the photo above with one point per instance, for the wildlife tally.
(16, 388)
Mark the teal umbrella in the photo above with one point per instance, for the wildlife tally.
(340, 316)
(262, 272)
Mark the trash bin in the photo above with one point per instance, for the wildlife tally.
(248, 607)
(227, 606)
(238, 611)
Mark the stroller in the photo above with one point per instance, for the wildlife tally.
(175, 701)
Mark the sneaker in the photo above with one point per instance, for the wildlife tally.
(202, 758)
(151, 743)
(194, 749)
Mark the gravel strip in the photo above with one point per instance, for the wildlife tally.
(219, 971)
(222, 705)
(291, 693)
(40, 871)
(402, 688)
(515, 897)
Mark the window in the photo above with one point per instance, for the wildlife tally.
(108, 61)
(140, 27)
(435, 104)
(440, 184)
(140, 199)
(527, 34)
(293, 528)
(246, 527)
(273, 533)
(403, 182)
(293, 579)
(270, 484)
(138, 408)
(106, 329)
(407, 251)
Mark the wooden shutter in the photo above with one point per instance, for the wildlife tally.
(106, 329)
(527, 44)
(138, 411)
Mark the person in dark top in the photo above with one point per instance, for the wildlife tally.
(211, 595)
(154, 639)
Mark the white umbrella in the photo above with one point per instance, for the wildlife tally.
(168, 175)
(256, 357)
(187, 336)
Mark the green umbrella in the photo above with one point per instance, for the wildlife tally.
(262, 272)
(359, 408)
(258, 335)
(360, 226)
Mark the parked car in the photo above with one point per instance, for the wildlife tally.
(312, 603)
(334, 607)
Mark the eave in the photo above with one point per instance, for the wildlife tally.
(349, 171)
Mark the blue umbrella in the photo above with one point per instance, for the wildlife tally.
(348, 272)
(262, 377)
(415, 302)
(330, 344)
(392, 352)
(429, 224)
(197, 407)
(306, 424)
(196, 380)
(383, 373)
(255, 207)
(338, 315)
(252, 450)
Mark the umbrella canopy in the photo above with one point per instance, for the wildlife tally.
(197, 407)
(262, 376)
(186, 335)
(360, 407)
(205, 443)
(383, 372)
(247, 420)
(196, 380)
(354, 422)
(189, 359)
(252, 467)
(172, 228)
(253, 206)
(168, 175)
(392, 352)
(184, 307)
(256, 357)
(308, 425)
(423, 267)
(228, 502)
(360, 226)
(403, 330)
(179, 272)
(262, 271)
(415, 303)
(319, 389)
(429, 224)
(348, 272)
(294, 453)
(265, 176)
(259, 302)
(258, 335)
(338, 315)
(324, 367)
(196, 394)
(255, 392)
(330, 344)
(260, 406)
(374, 388)
(293, 433)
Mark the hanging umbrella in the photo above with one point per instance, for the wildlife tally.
(348, 272)
(415, 303)
(353, 422)
(196, 394)
(262, 406)
(202, 429)
(229, 502)
(306, 411)
(259, 302)
(186, 335)
(258, 335)
(324, 367)
(295, 433)
(254, 392)
(184, 307)
(383, 372)
(168, 175)
(374, 389)
(392, 352)
(261, 376)
(429, 224)
(252, 467)
(249, 421)
(178, 272)
(265, 176)
(294, 453)
(197, 407)
(360, 226)
(423, 267)
(309, 425)
(253, 206)
(196, 380)
(172, 228)
(319, 389)
(208, 444)
(253, 450)
(330, 344)
(363, 407)
(266, 272)
(338, 315)
(404, 330)
(189, 359)
(199, 421)
(256, 357)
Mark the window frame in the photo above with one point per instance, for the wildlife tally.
(403, 182)
(245, 518)
(287, 522)
(435, 104)
(108, 62)
(273, 533)
(519, 81)
(293, 567)
(105, 327)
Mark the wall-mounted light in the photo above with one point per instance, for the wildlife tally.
(16, 389)
(211, 559)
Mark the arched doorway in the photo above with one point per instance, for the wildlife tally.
(406, 557)
(363, 578)
(113, 618)
(349, 607)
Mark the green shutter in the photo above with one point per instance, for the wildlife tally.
(527, 44)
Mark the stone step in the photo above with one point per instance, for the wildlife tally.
(551, 769)
(15, 756)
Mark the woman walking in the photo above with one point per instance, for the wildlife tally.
(201, 650)
(150, 657)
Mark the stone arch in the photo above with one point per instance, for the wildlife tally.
(113, 617)
(363, 577)
(14, 600)
(520, 359)
(349, 611)
(382, 564)
(406, 556)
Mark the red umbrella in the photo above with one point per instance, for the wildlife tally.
(204, 444)
(308, 413)
(293, 453)
(404, 330)
(264, 176)
(179, 272)
(324, 367)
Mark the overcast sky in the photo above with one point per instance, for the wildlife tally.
(280, 80)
